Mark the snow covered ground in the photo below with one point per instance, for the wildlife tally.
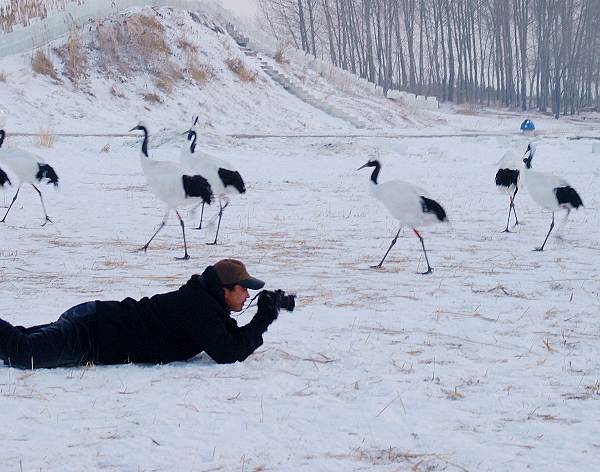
(490, 363)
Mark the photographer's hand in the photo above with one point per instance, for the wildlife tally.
(269, 303)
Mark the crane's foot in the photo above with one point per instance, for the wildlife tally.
(214, 243)
(48, 220)
(539, 249)
(507, 231)
(185, 257)
(428, 271)
(378, 266)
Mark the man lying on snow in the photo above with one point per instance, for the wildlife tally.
(168, 327)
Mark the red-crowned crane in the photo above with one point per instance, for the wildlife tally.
(508, 179)
(407, 204)
(173, 185)
(224, 180)
(549, 191)
(30, 169)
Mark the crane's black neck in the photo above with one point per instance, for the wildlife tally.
(527, 160)
(2, 134)
(192, 138)
(145, 142)
(376, 170)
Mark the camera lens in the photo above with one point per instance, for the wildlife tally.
(288, 302)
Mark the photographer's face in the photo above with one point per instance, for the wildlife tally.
(235, 298)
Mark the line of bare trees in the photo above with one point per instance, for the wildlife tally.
(542, 54)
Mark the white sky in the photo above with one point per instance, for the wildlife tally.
(242, 7)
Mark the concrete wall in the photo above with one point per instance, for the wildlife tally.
(42, 31)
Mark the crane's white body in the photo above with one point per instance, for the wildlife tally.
(208, 166)
(403, 201)
(541, 187)
(165, 182)
(24, 164)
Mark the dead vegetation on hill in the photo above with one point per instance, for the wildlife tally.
(127, 46)
(42, 64)
(239, 68)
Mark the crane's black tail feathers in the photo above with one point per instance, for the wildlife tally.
(46, 172)
(568, 196)
(431, 206)
(233, 178)
(197, 186)
(507, 177)
(4, 179)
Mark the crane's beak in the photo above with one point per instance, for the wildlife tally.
(362, 167)
(132, 129)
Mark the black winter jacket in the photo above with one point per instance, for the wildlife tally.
(176, 326)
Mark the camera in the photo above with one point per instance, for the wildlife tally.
(288, 302)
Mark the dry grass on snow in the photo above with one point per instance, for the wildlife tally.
(280, 56)
(115, 91)
(130, 45)
(201, 73)
(152, 97)
(237, 67)
(43, 65)
(127, 46)
(73, 56)
(45, 139)
(168, 77)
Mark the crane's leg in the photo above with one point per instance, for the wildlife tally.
(378, 266)
(186, 255)
(512, 201)
(558, 235)
(201, 217)
(162, 225)
(509, 212)
(221, 208)
(512, 208)
(429, 269)
(11, 204)
(48, 220)
(541, 248)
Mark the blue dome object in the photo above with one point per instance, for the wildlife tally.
(527, 125)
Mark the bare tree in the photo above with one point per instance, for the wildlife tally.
(515, 53)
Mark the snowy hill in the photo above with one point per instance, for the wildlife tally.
(490, 363)
(125, 85)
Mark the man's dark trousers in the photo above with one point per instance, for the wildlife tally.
(64, 343)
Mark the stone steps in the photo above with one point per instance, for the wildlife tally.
(291, 86)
